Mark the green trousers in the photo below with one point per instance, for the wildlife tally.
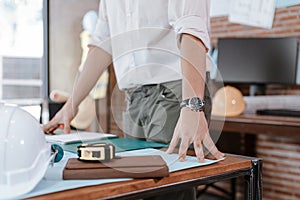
(152, 111)
(151, 114)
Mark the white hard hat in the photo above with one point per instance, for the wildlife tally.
(227, 102)
(24, 152)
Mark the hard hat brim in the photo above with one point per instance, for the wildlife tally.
(9, 192)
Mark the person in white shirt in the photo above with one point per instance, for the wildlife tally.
(158, 49)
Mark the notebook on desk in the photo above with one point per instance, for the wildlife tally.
(76, 137)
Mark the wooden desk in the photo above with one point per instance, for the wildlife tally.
(259, 124)
(233, 166)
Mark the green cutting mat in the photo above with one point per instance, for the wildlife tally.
(121, 144)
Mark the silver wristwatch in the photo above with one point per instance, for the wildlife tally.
(194, 103)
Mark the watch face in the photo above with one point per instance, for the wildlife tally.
(196, 104)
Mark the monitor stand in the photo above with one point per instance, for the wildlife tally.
(257, 89)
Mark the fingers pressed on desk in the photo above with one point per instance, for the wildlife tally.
(49, 128)
(174, 141)
(199, 150)
(211, 147)
(184, 145)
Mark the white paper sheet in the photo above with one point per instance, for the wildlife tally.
(258, 13)
(219, 8)
(171, 159)
(79, 136)
(284, 3)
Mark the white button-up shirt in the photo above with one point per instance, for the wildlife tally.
(142, 36)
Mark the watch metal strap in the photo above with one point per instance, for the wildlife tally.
(184, 103)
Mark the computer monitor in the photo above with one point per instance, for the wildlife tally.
(259, 61)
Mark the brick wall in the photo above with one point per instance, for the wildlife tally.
(281, 160)
(281, 167)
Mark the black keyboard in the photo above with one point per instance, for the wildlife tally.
(279, 112)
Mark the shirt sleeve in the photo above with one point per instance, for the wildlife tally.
(101, 35)
(191, 17)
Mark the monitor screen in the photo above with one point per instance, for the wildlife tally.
(258, 60)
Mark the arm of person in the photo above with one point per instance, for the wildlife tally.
(96, 63)
(192, 126)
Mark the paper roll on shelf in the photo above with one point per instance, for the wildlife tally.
(255, 103)
(59, 96)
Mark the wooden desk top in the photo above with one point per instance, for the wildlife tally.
(232, 163)
(259, 124)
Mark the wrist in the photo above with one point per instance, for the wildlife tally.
(71, 106)
(194, 103)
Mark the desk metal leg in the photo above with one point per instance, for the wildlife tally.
(233, 188)
(254, 181)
